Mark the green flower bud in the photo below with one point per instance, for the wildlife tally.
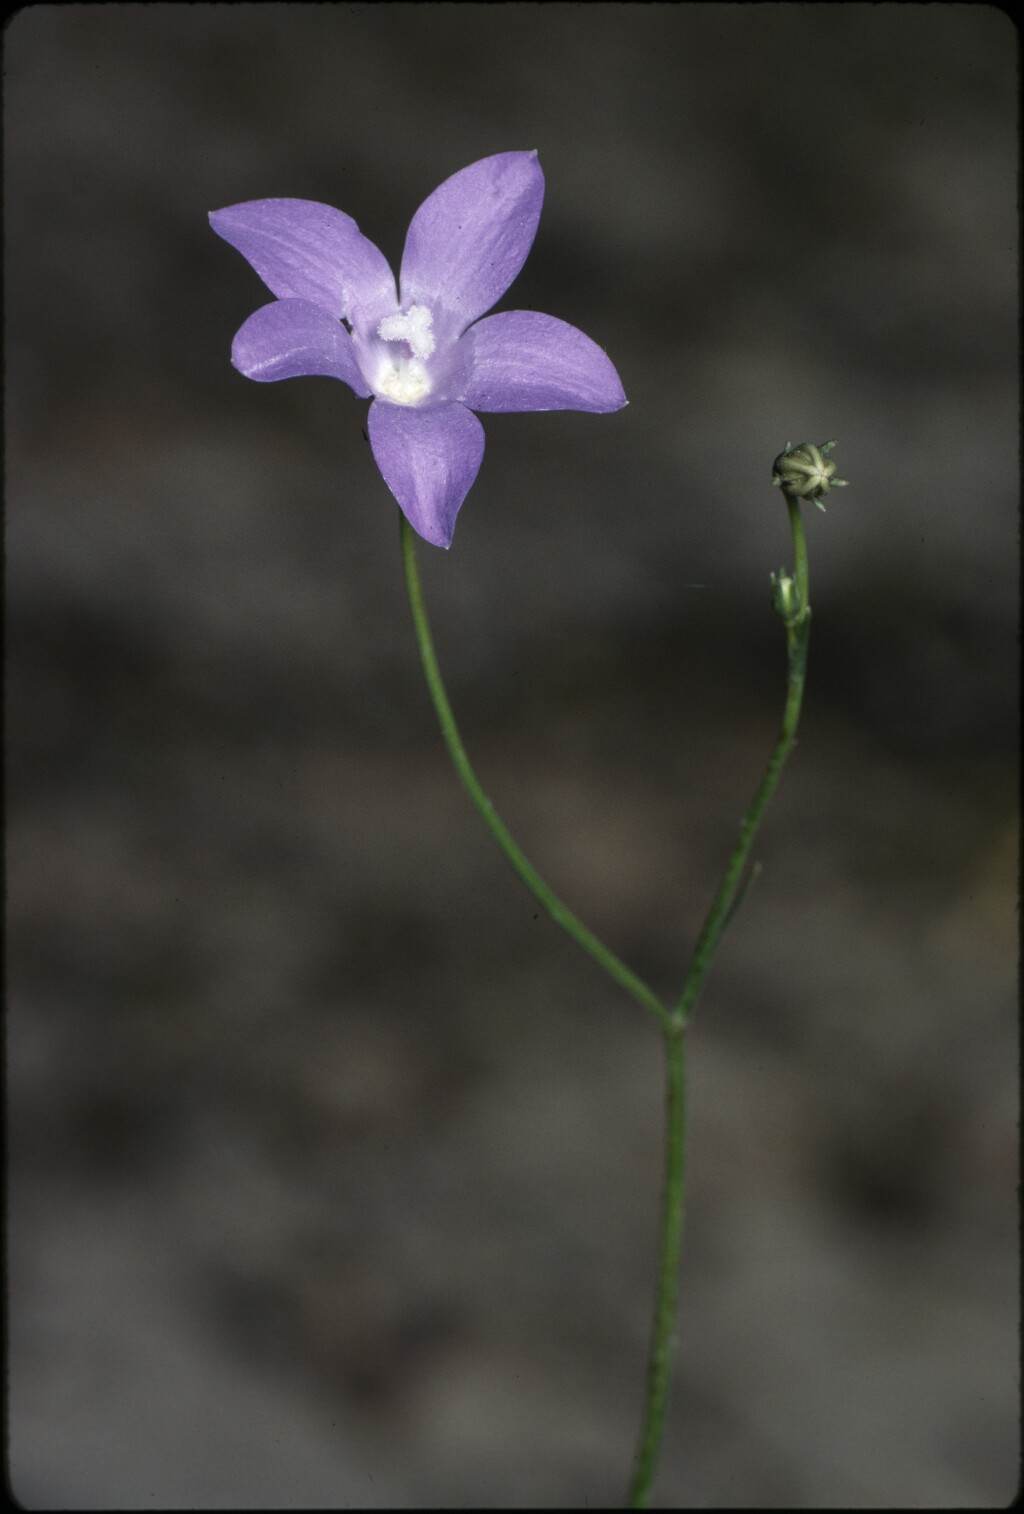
(803, 472)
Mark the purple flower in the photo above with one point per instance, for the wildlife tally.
(424, 355)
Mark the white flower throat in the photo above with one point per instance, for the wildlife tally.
(404, 380)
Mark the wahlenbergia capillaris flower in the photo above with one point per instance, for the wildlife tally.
(428, 360)
(420, 350)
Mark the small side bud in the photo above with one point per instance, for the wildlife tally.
(805, 472)
(786, 598)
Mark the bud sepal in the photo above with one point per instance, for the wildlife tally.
(803, 472)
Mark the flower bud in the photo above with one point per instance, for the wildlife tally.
(786, 597)
(804, 472)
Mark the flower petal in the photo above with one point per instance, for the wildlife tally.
(307, 251)
(469, 239)
(429, 459)
(522, 360)
(293, 338)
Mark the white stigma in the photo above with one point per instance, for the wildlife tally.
(412, 327)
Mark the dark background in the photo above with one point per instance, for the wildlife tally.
(333, 1170)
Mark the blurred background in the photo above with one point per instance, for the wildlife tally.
(333, 1169)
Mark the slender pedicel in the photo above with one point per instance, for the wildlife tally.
(791, 600)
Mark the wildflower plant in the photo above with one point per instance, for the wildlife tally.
(426, 353)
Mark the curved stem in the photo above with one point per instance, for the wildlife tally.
(731, 893)
(726, 902)
(545, 896)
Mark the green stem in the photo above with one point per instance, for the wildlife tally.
(729, 897)
(544, 895)
(798, 630)
(731, 893)
(663, 1334)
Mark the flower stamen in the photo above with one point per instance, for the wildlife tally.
(404, 381)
